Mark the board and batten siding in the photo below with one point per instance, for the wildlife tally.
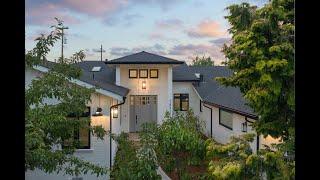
(99, 149)
(154, 86)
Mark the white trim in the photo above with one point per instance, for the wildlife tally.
(84, 84)
(196, 92)
(83, 150)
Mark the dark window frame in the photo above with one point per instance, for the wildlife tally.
(180, 99)
(136, 70)
(143, 70)
(230, 128)
(157, 70)
(76, 136)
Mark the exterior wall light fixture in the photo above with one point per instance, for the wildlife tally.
(115, 113)
(144, 84)
(98, 112)
(244, 126)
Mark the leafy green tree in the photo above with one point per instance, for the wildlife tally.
(47, 127)
(202, 61)
(262, 57)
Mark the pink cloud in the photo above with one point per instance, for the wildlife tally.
(207, 28)
(44, 14)
(189, 51)
(94, 7)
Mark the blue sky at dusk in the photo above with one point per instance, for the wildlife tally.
(179, 29)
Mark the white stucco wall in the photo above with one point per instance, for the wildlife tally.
(187, 87)
(99, 152)
(158, 86)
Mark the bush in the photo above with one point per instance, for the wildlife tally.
(182, 132)
(236, 161)
(134, 164)
(178, 141)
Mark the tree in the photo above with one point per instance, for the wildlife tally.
(262, 57)
(47, 127)
(202, 61)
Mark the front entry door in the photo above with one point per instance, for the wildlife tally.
(143, 109)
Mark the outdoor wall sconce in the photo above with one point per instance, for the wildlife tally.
(144, 84)
(244, 126)
(115, 113)
(98, 112)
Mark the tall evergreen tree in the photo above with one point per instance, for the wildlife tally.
(262, 57)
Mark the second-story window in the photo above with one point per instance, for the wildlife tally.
(133, 73)
(154, 73)
(143, 73)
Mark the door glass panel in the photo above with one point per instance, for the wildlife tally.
(131, 100)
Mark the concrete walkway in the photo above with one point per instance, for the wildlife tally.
(134, 137)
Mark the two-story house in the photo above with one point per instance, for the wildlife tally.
(146, 86)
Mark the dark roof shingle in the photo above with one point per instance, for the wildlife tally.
(104, 79)
(210, 90)
(144, 58)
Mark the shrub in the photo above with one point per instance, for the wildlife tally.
(132, 164)
(181, 132)
(236, 161)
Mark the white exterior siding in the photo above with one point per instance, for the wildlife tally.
(158, 86)
(194, 104)
(206, 116)
(99, 149)
(187, 88)
(222, 134)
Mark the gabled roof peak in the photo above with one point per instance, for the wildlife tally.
(144, 57)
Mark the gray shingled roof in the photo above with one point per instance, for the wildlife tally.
(213, 92)
(183, 73)
(143, 58)
(209, 90)
(104, 79)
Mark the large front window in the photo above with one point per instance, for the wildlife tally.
(81, 135)
(225, 119)
(181, 102)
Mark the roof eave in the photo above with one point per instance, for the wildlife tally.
(109, 62)
(252, 116)
(186, 80)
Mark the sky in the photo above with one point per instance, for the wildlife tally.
(178, 29)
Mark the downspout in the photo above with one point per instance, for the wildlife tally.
(210, 117)
(113, 106)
